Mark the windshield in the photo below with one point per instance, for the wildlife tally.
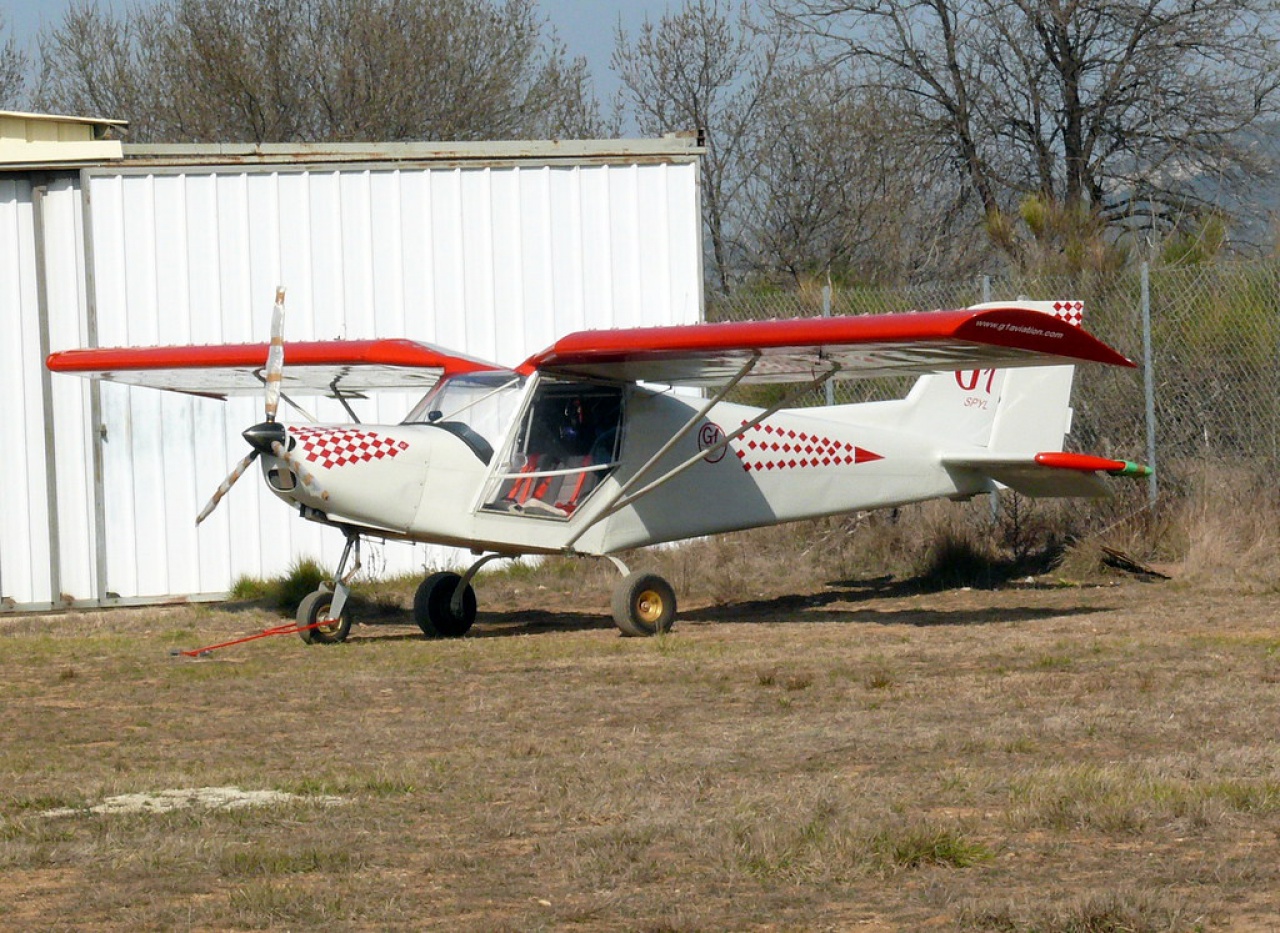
(484, 402)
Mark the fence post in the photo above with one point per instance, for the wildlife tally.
(986, 287)
(1149, 382)
(826, 312)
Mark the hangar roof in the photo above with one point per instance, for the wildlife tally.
(39, 139)
(35, 141)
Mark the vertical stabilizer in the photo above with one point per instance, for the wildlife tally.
(1034, 413)
(1014, 411)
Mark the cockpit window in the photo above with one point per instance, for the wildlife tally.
(478, 408)
(567, 444)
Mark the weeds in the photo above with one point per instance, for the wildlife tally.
(880, 678)
(260, 863)
(1120, 911)
(1126, 801)
(917, 844)
(282, 593)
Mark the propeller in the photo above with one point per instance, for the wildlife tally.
(269, 436)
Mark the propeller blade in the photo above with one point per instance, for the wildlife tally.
(275, 356)
(299, 470)
(226, 485)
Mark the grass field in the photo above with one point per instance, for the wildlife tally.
(851, 756)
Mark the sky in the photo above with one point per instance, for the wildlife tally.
(585, 26)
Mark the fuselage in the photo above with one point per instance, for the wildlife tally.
(546, 466)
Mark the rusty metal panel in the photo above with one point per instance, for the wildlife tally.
(494, 260)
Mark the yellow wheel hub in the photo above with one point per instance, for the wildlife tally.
(327, 623)
(649, 606)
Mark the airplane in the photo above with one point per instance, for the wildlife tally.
(598, 445)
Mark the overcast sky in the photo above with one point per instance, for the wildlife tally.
(586, 26)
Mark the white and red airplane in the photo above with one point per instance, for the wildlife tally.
(586, 449)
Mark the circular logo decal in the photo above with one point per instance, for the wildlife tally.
(708, 436)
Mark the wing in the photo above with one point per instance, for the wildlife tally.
(802, 349)
(346, 367)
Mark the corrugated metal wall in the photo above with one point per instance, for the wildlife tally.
(24, 552)
(41, 240)
(493, 261)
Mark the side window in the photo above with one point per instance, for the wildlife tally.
(567, 444)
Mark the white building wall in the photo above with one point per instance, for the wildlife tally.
(493, 261)
(65, 297)
(24, 552)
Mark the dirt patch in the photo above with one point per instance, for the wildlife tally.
(206, 798)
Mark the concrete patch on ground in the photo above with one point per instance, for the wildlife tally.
(209, 798)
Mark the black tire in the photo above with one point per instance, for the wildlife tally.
(644, 604)
(432, 608)
(314, 607)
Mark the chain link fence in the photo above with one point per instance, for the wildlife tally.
(1205, 391)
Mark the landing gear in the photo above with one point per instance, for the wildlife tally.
(327, 606)
(445, 604)
(433, 607)
(644, 604)
(318, 607)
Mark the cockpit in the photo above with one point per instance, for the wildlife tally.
(557, 448)
(567, 442)
(478, 408)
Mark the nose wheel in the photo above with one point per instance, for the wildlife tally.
(316, 608)
(322, 616)
(644, 604)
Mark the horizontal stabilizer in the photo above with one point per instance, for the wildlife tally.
(1053, 473)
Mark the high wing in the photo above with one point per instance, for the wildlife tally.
(802, 350)
(331, 368)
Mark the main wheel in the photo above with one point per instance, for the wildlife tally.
(644, 604)
(315, 608)
(432, 608)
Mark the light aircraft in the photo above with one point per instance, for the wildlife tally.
(588, 448)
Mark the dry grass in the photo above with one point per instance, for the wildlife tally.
(867, 754)
(1230, 528)
(830, 740)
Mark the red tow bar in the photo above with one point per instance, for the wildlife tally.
(292, 628)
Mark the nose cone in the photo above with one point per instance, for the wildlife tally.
(261, 436)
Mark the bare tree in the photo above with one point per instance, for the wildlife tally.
(466, 69)
(841, 192)
(13, 71)
(316, 70)
(703, 68)
(98, 63)
(1082, 103)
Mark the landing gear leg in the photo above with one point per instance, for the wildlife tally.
(445, 604)
(643, 603)
(327, 606)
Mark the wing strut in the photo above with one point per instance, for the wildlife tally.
(341, 397)
(623, 498)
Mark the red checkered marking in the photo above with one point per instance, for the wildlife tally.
(335, 447)
(1070, 311)
(820, 451)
